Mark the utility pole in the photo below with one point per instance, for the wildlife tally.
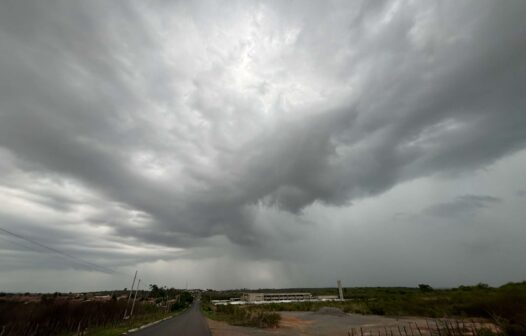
(340, 292)
(136, 291)
(129, 296)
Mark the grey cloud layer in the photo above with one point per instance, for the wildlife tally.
(462, 205)
(148, 106)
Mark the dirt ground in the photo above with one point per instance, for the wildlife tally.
(306, 323)
(332, 324)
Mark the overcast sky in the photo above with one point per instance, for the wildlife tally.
(262, 143)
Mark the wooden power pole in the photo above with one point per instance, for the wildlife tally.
(129, 296)
(136, 291)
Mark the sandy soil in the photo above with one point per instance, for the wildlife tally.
(304, 324)
(331, 324)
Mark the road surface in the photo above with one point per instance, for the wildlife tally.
(190, 322)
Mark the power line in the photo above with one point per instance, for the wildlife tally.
(19, 244)
(91, 265)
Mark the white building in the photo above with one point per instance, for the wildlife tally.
(255, 297)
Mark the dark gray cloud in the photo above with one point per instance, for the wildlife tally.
(462, 205)
(176, 124)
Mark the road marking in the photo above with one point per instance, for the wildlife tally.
(148, 325)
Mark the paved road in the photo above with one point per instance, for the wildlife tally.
(190, 323)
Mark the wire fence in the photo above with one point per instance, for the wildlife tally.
(435, 327)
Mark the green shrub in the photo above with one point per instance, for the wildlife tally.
(267, 320)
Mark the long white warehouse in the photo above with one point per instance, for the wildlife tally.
(255, 297)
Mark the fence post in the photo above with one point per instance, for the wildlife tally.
(411, 328)
(448, 330)
(439, 331)
(418, 328)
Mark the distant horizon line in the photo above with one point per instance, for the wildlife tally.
(260, 288)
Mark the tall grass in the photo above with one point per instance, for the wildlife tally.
(62, 316)
(242, 316)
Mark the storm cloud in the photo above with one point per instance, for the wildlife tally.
(202, 129)
(467, 204)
